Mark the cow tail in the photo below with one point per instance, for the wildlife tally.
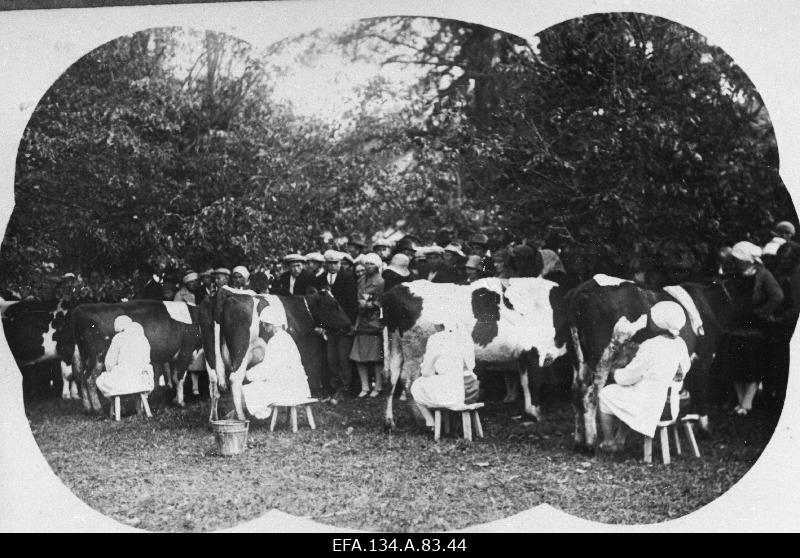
(77, 364)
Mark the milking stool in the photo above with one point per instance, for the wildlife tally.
(664, 426)
(292, 405)
(142, 404)
(469, 417)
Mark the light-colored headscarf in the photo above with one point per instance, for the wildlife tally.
(242, 270)
(747, 252)
(122, 323)
(668, 316)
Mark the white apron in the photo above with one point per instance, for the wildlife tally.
(448, 358)
(640, 393)
(127, 364)
(280, 376)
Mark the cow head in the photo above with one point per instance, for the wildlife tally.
(326, 311)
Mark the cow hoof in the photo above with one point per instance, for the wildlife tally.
(179, 403)
(389, 425)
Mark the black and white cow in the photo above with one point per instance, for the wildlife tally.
(172, 329)
(231, 329)
(519, 320)
(39, 332)
(608, 320)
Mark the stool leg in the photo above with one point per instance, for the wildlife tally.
(476, 423)
(146, 405)
(687, 427)
(648, 449)
(437, 424)
(446, 419)
(274, 421)
(116, 408)
(665, 446)
(466, 424)
(677, 440)
(293, 412)
(310, 418)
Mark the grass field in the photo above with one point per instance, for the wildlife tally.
(165, 473)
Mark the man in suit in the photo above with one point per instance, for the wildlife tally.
(344, 289)
(438, 270)
(296, 280)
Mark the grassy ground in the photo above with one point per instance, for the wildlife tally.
(165, 474)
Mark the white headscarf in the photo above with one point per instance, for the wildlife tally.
(372, 258)
(122, 323)
(242, 270)
(668, 316)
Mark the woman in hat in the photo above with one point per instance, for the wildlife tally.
(397, 271)
(446, 375)
(127, 361)
(367, 351)
(222, 276)
(747, 337)
(279, 374)
(472, 269)
(637, 397)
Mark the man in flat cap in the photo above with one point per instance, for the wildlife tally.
(222, 276)
(344, 289)
(438, 271)
(355, 245)
(479, 246)
(383, 248)
(314, 266)
(296, 280)
(206, 287)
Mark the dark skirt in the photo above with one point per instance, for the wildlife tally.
(744, 356)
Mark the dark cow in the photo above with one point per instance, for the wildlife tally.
(231, 329)
(520, 320)
(171, 328)
(39, 332)
(608, 319)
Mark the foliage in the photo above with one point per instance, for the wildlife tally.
(624, 139)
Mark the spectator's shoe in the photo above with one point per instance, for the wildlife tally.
(374, 393)
(363, 393)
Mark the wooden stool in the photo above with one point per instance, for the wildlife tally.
(662, 430)
(469, 417)
(292, 406)
(114, 410)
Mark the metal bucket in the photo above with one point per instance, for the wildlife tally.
(231, 435)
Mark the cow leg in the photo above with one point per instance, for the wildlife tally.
(219, 365)
(512, 387)
(92, 387)
(237, 378)
(66, 376)
(195, 383)
(179, 380)
(395, 364)
(579, 371)
(530, 408)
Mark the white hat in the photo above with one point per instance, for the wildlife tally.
(438, 250)
(332, 256)
(315, 257)
(122, 322)
(784, 226)
(372, 258)
(668, 316)
(191, 276)
(242, 270)
(455, 249)
(273, 315)
(399, 264)
(222, 271)
(747, 252)
(294, 258)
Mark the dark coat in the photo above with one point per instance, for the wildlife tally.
(344, 290)
(392, 278)
(446, 275)
(301, 284)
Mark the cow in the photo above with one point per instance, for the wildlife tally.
(231, 328)
(517, 320)
(607, 320)
(172, 328)
(38, 331)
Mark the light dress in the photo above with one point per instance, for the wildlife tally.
(127, 364)
(279, 377)
(640, 392)
(449, 358)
